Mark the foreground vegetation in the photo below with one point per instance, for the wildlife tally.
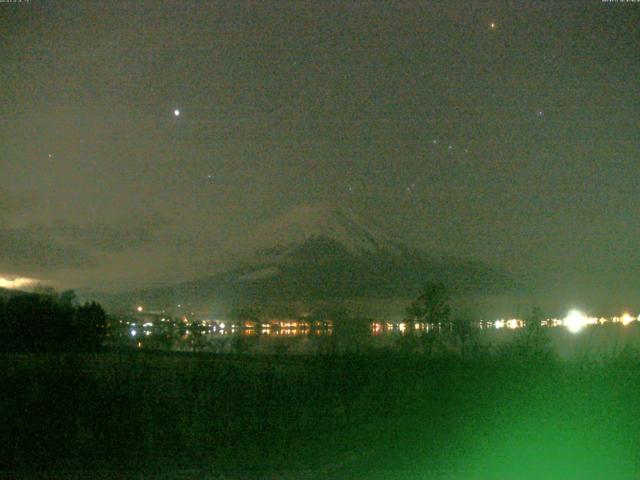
(46, 321)
(351, 416)
(439, 404)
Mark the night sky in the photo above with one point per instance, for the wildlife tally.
(504, 132)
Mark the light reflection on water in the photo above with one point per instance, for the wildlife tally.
(301, 336)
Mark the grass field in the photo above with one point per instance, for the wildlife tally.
(166, 415)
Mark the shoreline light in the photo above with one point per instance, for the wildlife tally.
(626, 319)
(575, 321)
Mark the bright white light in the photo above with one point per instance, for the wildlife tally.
(176, 112)
(626, 319)
(512, 324)
(17, 282)
(499, 324)
(575, 321)
(139, 308)
(133, 333)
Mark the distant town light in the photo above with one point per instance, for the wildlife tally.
(512, 324)
(133, 333)
(139, 308)
(575, 321)
(626, 319)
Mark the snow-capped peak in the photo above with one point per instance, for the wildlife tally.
(310, 220)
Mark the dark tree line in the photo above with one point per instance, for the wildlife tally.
(46, 322)
(455, 331)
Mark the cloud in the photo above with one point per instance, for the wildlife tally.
(36, 247)
(14, 202)
(64, 245)
(101, 237)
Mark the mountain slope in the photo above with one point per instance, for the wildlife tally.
(308, 221)
(318, 253)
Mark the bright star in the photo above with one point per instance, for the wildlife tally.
(176, 112)
(492, 26)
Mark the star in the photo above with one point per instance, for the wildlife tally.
(540, 113)
(176, 112)
(492, 25)
(51, 155)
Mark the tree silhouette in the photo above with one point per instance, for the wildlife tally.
(431, 308)
(50, 322)
(90, 324)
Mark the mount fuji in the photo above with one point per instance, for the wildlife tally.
(319, 253)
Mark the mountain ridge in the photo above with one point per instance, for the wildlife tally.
(322, 253)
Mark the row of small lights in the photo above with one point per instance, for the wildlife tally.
(575, 321)
(286, 328)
